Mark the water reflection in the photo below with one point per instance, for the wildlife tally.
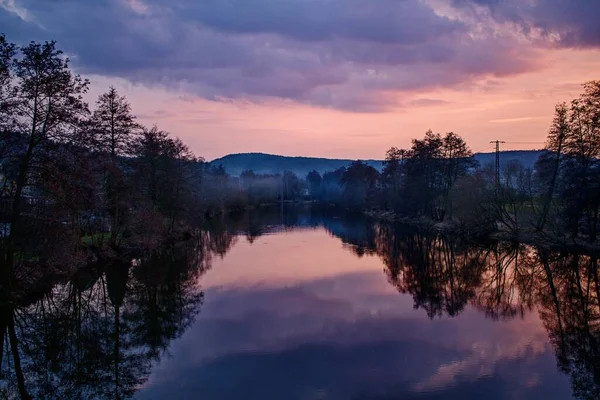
(98, 334)
(504, 280)
(569, 296)
(287, 313)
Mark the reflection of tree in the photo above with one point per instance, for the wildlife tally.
(444, 274)
(7, 325)
(96, 335)
(75, 343)
(506, 285)
(504, 280)
(439, 274)
(357, 233)
(262, 220)
(255, 227)
(163, 300)
(569, 306)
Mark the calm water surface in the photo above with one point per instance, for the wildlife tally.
(319, 308)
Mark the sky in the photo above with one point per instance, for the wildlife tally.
(326, 78)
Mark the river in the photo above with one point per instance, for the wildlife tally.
(305, 305)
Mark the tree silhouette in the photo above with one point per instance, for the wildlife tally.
(96, 335)
(46, 108)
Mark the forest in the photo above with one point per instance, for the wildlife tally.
(81, 183)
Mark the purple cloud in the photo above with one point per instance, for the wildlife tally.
(568, 23)
(381, 21)
(344, 54)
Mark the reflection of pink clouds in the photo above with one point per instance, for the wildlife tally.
(252, 264)
(527, 339)
(273, 296)
(274, 320)
(328, 305)
(533, 380)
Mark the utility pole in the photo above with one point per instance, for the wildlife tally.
(497, 143)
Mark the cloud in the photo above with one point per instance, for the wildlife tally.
(344, 54)
(424, 102)
(512, 120)
(380, 21)
(566, 23)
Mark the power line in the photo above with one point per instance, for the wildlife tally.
(524, 142)
(542, 143)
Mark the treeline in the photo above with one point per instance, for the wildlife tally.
(438, 179)
(79, 182)
(417, 181)
(75, 177)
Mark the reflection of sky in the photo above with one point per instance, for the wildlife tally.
(294, 316)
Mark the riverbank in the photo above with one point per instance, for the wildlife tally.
(34, 277)
(532, 237)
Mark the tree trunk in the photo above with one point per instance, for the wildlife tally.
(14, 346)
(117, 349)
(4, 313)
(554, 293)
(551, 189)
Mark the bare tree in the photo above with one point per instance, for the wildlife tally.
(113, 126)
(559, 131)
(48, 107)
(112, 132)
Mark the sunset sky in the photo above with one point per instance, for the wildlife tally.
(330, 78)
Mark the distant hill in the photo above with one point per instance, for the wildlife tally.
(262, 163)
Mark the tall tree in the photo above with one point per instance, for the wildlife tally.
(582, 145)
(359, 182)
(113, 125)
(113, 131)
(431, 167)
(584, 139)
(421, 171)
(392, 176)
(559, 131)
(48, 109)
(163, 165)
(458, 158)
(290, 186)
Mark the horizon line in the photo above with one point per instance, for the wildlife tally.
(348, 159)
